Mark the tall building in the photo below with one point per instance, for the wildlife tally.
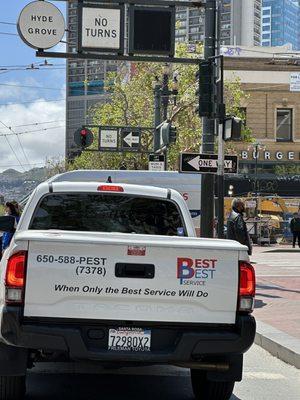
(85, 83)
(280, 23)
(240, 23)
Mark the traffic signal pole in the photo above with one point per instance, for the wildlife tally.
(157, 115)
(208, 128)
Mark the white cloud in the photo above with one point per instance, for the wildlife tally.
(38, 146)
(11, 91)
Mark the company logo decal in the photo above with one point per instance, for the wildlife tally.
(196, 271)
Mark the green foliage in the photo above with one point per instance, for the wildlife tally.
(54, 166)
(234, 97)
(132, 104)
(2, 210)
(287, 169)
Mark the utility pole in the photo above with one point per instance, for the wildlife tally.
(165, 91)
(157, 113)
(208, 127)
(219, 128)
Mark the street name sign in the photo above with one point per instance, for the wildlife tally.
(101, 28)
(206, 163)
(41, 25)
(156, 162)
(130, 139)
(108, 139)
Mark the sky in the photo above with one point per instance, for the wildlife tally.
(31, 100)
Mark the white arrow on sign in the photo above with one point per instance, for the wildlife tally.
(198, 163)
(195, 163)
(130, 139)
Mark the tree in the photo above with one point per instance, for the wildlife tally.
(132, 104)
(54, 166)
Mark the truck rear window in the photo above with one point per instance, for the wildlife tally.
(108, 213)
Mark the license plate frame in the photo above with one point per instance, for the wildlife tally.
(129, 339)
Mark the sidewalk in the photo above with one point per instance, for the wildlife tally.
(277, 305)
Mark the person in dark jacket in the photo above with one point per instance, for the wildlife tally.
(13, 210)
(236, 226)
(295, 228)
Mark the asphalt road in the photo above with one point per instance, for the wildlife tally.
(265, 378)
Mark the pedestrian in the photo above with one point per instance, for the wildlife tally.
(295, 228)
(12, 209)
(236, 226)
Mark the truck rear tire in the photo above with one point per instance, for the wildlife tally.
(205, 389)
(12, 387)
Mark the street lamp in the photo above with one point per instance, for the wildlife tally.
(256, 147)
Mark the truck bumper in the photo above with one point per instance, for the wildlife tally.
(170, 344)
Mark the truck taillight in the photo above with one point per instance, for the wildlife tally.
(246, 287)
(110, 188)
(15, 278)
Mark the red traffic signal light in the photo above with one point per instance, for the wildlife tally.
(83, 137)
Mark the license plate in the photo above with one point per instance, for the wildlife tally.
(129, 339)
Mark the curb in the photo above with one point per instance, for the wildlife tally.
(278, 343)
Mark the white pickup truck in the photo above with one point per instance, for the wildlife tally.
(114, 274)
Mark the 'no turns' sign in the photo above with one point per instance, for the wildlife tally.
(101, 28)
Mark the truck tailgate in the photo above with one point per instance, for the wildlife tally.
(95, 276)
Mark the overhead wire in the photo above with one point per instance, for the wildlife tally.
(19, 140)
(12, 149)
(9, 34)
(32, 101)
(29, 86)
(8, 23)
(39, 123)
(31, 131)
(17, 165)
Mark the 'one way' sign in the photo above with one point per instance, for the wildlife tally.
(206, 163)
(130, 139)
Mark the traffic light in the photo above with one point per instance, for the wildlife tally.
(83, 137)
(168, 134)
(207, 89)
(232, 129)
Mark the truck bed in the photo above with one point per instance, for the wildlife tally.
(130, 277)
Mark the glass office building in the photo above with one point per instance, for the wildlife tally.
(280, 23)
(240, 23)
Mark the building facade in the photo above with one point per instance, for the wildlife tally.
(85, 83)
(240, 23)
(281, 23)
(272, 112)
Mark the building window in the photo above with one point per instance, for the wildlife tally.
(284, 125)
